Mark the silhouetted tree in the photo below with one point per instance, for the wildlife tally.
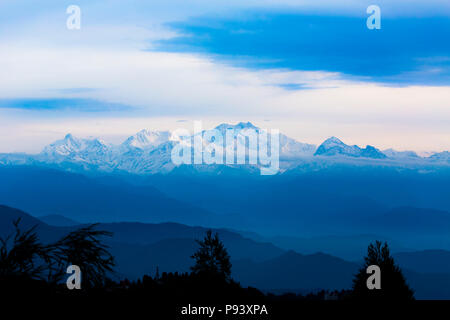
(83, 248)
(26, 265)
(25, 257)
(212, 258)
(393, 283)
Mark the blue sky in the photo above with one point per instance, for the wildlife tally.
(63, 104)
(312, 68)
(403, 46)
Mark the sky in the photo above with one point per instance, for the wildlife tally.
(311, 69)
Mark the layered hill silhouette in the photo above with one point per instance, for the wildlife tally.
(46, 191)
(344, 201)
(141, 248)
(58, 220)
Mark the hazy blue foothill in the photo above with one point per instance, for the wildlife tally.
(141, 248)
(317, 214)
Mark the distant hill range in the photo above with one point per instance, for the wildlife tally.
(333, 198)
(58, 220)
(341, 201)
(140, 248)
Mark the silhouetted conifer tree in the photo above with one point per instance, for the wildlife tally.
(212, 258)
(393, 283)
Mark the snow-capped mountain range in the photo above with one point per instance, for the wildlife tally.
(146, 139)
(149, 152)
(333, 146)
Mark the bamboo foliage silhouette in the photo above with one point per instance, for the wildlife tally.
(23, 255)
(83, 248)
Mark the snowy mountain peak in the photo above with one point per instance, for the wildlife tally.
(248, 125)
(333, 141)
(372, 152)
(240, 126)
(74, 149)
(334, 146)
(95, 143)
(148, 152)
(394, 154)
(147, 138)
(64, 147)
(70, 139)
(441, 156)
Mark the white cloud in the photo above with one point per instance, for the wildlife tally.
(39, 57)
(187, 86)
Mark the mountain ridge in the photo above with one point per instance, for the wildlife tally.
(149, 152)
(334, 146)
(266, 268)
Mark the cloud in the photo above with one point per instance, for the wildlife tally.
(75, 90)
(255, 74)
(63, 104)
(405, 51)
(187, 86)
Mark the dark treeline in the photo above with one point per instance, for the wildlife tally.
(27, 265)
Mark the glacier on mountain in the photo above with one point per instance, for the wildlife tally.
(149, 152)
(333, 147)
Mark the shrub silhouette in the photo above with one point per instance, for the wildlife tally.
(25, 261)
(212, 259)
(393, 283)
(25, 257)
(83, 248)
